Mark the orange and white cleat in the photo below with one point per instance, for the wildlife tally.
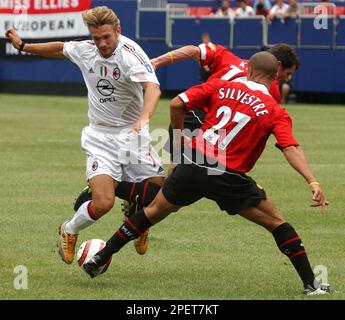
(67, 244)
(142, 242)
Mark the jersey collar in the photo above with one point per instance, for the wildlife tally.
(252, 85)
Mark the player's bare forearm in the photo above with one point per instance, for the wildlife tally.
(48, 49)
(152, 93)
(177, 111)
(296, 158)
(183, 53)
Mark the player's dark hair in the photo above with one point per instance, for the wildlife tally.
(286, 55)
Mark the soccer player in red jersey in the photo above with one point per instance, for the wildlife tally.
(241, 116)
(223, 64)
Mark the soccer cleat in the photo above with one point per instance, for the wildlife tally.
(125, 210)
(128, 208)
(67, 244)
(325, 287)
(142, 242)
(93, 267)
(83, 196)
(320, 290)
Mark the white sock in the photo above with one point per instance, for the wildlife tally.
(80, 220)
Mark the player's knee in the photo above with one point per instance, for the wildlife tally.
(103, 205)
(156, 180)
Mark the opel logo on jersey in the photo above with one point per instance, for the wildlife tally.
(105, 88)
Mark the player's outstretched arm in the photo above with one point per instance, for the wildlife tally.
(296, 158)
(180, 54)
(49, 49)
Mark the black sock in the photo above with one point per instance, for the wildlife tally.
(142, 192)
(129, 230)
(291, 245)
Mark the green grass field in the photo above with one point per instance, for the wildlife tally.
(198, 253)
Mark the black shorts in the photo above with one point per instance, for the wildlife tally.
(193, 120)
(232, 191)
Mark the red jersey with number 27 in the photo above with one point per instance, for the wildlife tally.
(241, 116)
(225, 65)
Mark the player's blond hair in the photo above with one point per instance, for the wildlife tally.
(99, 16)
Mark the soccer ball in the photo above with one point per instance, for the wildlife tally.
(88, 249)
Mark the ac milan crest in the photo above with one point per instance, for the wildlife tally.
(94, 166)
(116, 73)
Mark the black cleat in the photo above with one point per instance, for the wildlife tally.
(129, 208)
(309, 290)
(93, 267)
(83, 196)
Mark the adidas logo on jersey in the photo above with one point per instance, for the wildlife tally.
(91, 70)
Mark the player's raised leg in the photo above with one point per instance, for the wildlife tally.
(288, 242)
(103, 198)
(136, 195)
(140, 195)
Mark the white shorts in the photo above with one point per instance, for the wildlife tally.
(120, 153)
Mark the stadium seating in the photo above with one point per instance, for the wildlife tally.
(157, 30)
(182, 24)
(311, 8)
(198, 12)
(340, 11)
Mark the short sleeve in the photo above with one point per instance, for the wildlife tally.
(282, 130)
(198, 96)
(140, 68)
(72, 51)
(207, 53)
(274, 9)
(143, 73)
(275, 92)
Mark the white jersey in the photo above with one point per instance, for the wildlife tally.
(115, 95)
(245, 12)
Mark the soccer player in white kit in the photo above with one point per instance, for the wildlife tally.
(123, 93)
